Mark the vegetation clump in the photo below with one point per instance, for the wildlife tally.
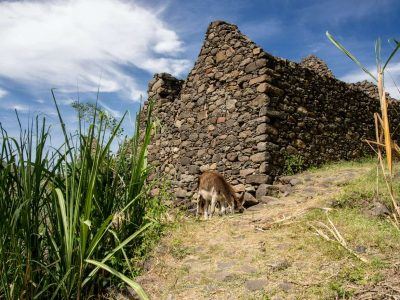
(74, 215)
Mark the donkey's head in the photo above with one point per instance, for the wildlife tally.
(239, 203)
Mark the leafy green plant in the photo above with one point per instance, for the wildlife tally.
(293, 164)
(88, 110)
(58, 234)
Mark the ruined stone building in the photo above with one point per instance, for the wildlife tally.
(243, 112)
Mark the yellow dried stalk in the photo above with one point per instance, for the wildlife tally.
(332, 231)
(385, 122)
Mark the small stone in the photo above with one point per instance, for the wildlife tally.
(294, 181)
(201, 88)
(280, 265)
(258, 64)
(262, 190)
(300, 144)
(258, 79)
(379, 210)
(262, 87)
(224, 276)
(210, 89)
(180, 193)
(257, 207)
(255, 284)
(243, 158)
(291, 150)
(262, 128)
(157, 85)
(225, 265)
(221, 119)
(193, 169)
(262, 146)
(271, 130)
(204, 168)
(209, 60)
(230, 104)
(244, 134)
(170, 297)
(361, 249)
(178, 123)
(302, 110)
(285, 286)
(237, 58)
(269, 200)
(210, 127)
(239, 188)
(257, 178)
(232, 156)
(187, 178)
(155, 192)
(249, 200)
(202, 115)
(274, 114)
(220, 56)
(185, 161)
(248, 269)
(260, 100)
(185, 97)
(259, 157)
(246, 172)
(263, 167)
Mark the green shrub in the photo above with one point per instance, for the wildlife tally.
(69, 213)
(293, 164)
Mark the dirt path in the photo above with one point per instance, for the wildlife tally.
(266, 253)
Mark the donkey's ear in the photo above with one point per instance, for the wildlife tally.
(240, 202)
(241, 198)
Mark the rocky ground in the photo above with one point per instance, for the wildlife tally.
(272, 252)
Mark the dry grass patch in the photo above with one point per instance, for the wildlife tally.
(226, 253)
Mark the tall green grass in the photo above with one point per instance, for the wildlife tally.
(71, 217)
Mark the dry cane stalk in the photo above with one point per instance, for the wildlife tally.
(337, 237)
(387, 142)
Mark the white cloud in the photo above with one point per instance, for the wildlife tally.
(113, 112)
(2, 93)
(18, 107)
(59, 43)
(392, 78)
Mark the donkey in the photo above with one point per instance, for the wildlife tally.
(213, 189)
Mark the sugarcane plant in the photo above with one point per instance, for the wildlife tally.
(58, 238)
(383, 145)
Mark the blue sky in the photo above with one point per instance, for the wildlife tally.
(117, 45)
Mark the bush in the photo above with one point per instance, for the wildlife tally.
(69, 213)
(293, 164)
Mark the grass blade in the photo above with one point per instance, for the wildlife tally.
(351, 56)
(135, 286)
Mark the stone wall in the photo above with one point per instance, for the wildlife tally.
(242, 112)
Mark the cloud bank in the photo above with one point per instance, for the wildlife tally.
(85, 42)
(2, 93)
(392, 78)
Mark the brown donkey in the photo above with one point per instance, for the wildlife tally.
(213, 189)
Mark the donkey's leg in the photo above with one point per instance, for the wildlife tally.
(198, 207)
(232, 207)
(205, 209)
(223, 208)
(213, 202)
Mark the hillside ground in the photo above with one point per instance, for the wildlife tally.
(272, 250)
